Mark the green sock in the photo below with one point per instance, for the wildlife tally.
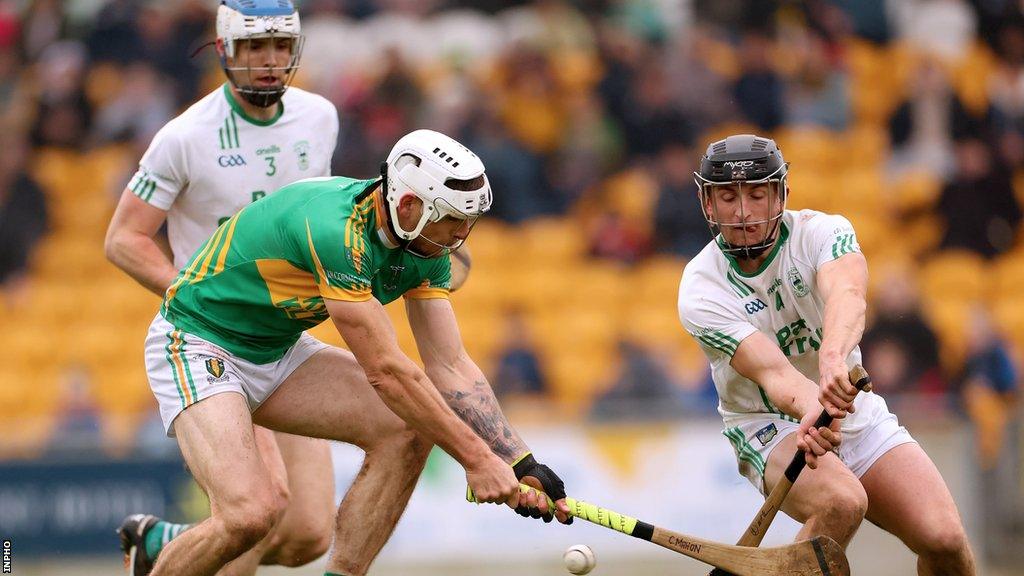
(160, 534)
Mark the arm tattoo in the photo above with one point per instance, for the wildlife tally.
(479, 409)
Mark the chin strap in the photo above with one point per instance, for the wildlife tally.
(262, 98)
(751, 252)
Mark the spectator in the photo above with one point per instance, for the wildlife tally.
(901, 351)
(679, 224)
(819, 93)
(652, 119)
(979, 207)
(42, 25)
(989, 387)
(759, 90)
(63, 116)
(23, 214)
(137, 111)
(519, 372)
(643, 389)
(699, 90)
(515, 173)
(921, 126)
(79, 429)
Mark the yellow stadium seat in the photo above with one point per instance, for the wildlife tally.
(920, 235)
(483, 334)
(1008, 316)
(916, 190)
(954, 275)
(809, 188)
(572, 329)
(720, 131)
(1008, 279)
(54, 169)
(553, 239)
(491, 240)
(577, 376)
(808, 146)
(950, 320)
(657, 280)
(972, 77)
(867, 145)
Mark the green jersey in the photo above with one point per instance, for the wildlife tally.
(262, 278)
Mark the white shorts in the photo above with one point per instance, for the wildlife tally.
(184, 369)
(871, 434)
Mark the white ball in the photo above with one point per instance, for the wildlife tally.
(579, 559)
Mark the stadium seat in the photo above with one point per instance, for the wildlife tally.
(950, 318)
(577, 376)
(866, 145)
(971, 77)
(554, 239)
(954, 275)
(916, 190)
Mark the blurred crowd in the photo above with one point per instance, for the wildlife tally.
(591, 110)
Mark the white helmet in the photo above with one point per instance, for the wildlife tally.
(437, 170)
(248, 19)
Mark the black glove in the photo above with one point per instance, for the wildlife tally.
(549, 481)
(719, 572)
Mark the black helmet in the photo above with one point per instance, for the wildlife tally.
(742, 159)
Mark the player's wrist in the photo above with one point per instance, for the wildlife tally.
(829, 356)
(525, 457)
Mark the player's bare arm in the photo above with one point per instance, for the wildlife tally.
(407, 391)
(467, 391)
(758, 359)
(461, 383)
(843, 283)
(131, 243)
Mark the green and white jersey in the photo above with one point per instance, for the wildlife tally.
(214, 159)
(720, 306)
(262, 278)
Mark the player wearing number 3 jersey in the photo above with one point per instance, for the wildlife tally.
(776, 301)
(247, 138)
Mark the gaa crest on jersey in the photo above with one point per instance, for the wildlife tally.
(231, 160)
(215, 366)
(800, 287)
(766, 434)
(302, 151)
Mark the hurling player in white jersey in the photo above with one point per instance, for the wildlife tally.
(776, 301)
(244, 140)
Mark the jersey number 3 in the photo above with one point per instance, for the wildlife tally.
(271, 167)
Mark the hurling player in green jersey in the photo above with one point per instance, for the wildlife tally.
(228, 350)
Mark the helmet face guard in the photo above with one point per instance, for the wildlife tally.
(269, 22)
(742, 187)
(736, 213)
(440, 210)
(243, 78)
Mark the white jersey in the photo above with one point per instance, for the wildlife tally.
(214, 159)
(720, 306)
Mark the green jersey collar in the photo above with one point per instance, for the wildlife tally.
(783, 236)
(241, 112)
